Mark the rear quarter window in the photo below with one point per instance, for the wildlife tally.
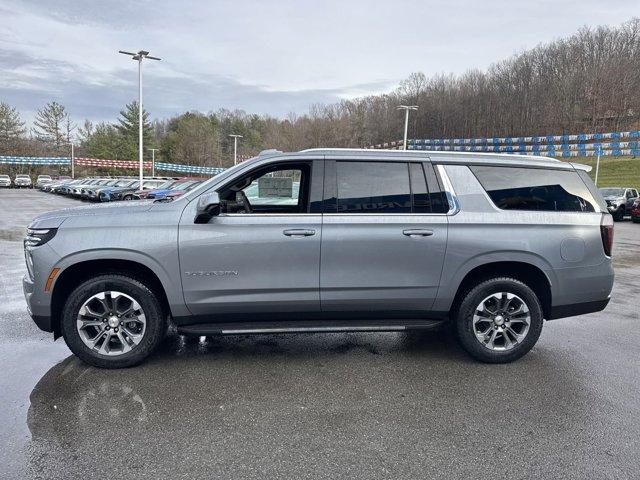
(537, 189)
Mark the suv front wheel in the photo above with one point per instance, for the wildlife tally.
(113, 321)
(499, 320)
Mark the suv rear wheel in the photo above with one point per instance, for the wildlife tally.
(499, 320)
(113, 321)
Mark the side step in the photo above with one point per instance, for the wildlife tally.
(303, 326)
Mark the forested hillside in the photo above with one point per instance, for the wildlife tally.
(586, 82)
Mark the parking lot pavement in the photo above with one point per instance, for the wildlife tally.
(321, 406)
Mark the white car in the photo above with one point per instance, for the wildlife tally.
(42, 180)
(5, 181)
(22, 180)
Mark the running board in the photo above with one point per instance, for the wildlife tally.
(265, 327)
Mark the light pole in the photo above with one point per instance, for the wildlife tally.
(153, 161)
(235, 148)
(142, 54)
(73, 172)
(406, 109)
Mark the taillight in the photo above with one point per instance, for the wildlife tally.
(606, 231)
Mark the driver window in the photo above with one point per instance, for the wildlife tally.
(276, 189)
(281, 187)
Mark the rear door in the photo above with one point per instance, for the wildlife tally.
(384, 236)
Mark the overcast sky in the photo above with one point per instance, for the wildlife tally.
(263, 56)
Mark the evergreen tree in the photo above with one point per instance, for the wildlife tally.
(127, 128)
(11, 128)
(53, 125)
(103, 141)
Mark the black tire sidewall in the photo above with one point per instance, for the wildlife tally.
(155, 324)
(464, 319)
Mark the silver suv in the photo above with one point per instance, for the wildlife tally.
(330, 240)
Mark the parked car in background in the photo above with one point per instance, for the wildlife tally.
(162, 191)
(42, 180)
(103, 182)
(175, 193)
(5, 181)
(76, 190)
(143, 194)
(102, 193)
(619, 200)
(635, 211)
(358, 240)
(131, 193)
(22, 180)
(66, 187)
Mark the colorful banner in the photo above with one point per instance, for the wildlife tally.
(35, 160)
(175, 167)
(99, 162)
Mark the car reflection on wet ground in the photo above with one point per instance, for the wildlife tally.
(322, 406)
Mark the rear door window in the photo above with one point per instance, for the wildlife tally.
(373, 187)
(515, 188)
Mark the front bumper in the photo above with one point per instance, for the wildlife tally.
(43, 321)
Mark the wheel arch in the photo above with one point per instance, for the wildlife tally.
(76, 273)
(528, 273)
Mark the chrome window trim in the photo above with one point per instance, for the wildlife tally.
(454, 205)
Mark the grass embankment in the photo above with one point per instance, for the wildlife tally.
(614, 171)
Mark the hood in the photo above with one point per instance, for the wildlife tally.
(55, 218)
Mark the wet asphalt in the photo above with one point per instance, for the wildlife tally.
(321, 406)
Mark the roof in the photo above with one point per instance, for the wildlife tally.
(466, 158)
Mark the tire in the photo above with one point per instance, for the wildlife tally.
(490, 293)
(147, 329)
(128, 197)
(618, 216)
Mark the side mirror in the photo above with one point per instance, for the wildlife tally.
(208, 206)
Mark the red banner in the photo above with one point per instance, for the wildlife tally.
(97, 162)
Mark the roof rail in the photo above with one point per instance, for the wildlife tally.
(269, 151)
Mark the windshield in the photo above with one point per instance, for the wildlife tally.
(612, 192)
(4, 176)
(22, 176)
(44, 177)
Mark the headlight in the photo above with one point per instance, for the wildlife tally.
(39, 236)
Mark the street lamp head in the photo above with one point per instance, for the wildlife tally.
(235, 136)
(407, 107)
(140, 55)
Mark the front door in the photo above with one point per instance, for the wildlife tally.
(260, 258)
(383, 246)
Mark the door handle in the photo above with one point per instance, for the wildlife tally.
(299, 232)
(417, 233)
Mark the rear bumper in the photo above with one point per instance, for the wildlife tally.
(563, 311)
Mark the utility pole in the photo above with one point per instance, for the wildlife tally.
(406, 109)
(235, 148)
(142, 54)
(73, 162)
(153, 161)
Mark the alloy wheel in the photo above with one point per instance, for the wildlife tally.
(111, 323)
(501, 321)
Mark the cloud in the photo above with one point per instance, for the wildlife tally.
(263, 56)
